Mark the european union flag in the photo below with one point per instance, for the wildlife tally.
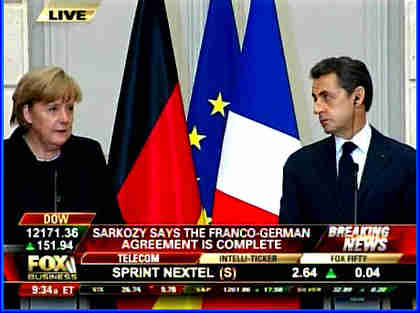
(261, 130)
(212, 95)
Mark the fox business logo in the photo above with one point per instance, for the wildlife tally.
(51, 267)
(74, 11)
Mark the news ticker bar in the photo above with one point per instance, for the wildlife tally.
(247, 273)
(66, 232)
(59, 289)
(120, 258)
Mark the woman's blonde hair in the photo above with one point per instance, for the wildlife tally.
(46, 84)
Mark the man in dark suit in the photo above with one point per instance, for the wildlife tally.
(322, 181)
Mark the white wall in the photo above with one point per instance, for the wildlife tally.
(94, 54)
(311, 29)
(16, 52)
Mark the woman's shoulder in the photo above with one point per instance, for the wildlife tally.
(82, 145)
(15, 137)
(14, 145)
(82, 141)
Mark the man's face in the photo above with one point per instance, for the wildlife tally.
(333, 105)
(51, 123)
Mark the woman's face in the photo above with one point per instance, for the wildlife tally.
(50, 123)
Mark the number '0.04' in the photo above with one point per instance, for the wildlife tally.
(368, 272)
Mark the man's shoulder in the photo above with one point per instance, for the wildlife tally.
(395, 147)
(311, 150)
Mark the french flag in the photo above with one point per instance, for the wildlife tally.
(261, 130)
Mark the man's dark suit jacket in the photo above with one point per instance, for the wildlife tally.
(387, 192)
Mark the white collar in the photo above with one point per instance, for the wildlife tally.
(361, 139)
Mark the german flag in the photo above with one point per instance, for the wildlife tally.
(150, 158)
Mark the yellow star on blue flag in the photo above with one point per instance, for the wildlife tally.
(218, 105)
(213, 88)
(195, 138)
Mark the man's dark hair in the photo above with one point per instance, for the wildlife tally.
(350, 74)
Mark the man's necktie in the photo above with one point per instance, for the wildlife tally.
(347, 178)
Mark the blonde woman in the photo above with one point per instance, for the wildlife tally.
(46, 167)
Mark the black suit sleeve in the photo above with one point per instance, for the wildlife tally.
(409, 197)
(290, 205)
